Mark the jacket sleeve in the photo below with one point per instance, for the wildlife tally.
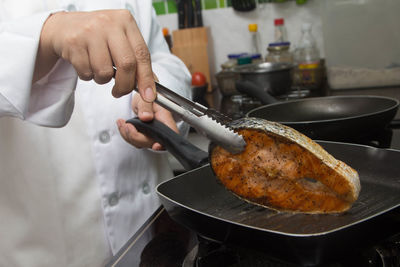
(168, 68)
(47, 102)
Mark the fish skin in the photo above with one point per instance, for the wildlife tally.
(285, 170)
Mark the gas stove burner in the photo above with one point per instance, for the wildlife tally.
(296, 94)
(213, 254)
(210, 253)
(220, 255)
(237, 106)
(389, 252)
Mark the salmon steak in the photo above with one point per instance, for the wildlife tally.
(285, 170)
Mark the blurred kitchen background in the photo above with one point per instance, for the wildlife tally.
(361, 37)
(308, 48)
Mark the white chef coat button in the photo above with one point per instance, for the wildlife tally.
(113, 199)
(129, 7)
(145, 188)
(71, 8)
(104, 137)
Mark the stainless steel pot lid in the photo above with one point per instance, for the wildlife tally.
(262, 67)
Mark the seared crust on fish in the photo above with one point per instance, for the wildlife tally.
(285, 170)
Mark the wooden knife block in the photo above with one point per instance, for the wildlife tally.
(190, 45)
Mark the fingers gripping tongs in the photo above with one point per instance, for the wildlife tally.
(205, 121)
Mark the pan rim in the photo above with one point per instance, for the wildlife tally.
(328, 232)
(275, 231)
(395, 105)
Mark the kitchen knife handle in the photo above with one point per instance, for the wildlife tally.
(181, 13)
(198, 14)
(190, 14)
(186, 153)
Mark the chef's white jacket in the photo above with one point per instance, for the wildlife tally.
(72, 192)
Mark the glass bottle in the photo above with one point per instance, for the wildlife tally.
(280, 35)
(307, 60)
(255, 39)
(167, 37)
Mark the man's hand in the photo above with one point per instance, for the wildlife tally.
(145, 112)
(94, 42)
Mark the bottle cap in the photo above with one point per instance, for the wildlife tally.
(283, 46)
(165, 31)
(255, 56)
(279, 21)
(234, 56)
(244, 59)
(253, 27)
(279, 44)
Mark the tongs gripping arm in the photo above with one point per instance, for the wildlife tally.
(196, 115)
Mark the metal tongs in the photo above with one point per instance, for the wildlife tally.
(205, 121)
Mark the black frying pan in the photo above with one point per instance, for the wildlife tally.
(333, 118)
(196, 200)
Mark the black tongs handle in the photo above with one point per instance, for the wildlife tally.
(185, 152)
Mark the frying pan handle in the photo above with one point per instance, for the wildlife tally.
(394, 124)
(251, 89)
(186, 153)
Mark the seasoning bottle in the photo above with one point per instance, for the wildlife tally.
(280, 35)
(255, 39)
(167, 37)
(307, 60)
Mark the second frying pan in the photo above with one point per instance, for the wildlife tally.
(333, 118)
(348, 118)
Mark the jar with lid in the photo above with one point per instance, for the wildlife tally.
(279, 53)
(245, 59)
(226, 78)
(231, 62)
(256, 59)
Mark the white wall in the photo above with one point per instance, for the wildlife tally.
(229, 29)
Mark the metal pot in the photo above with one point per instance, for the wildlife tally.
(274, 78)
